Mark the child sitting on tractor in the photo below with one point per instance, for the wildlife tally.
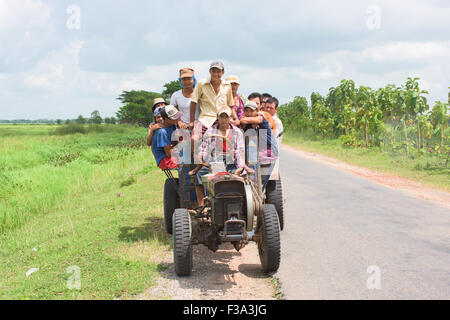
(161, 142)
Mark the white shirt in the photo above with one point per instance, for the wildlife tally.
(184, 105)
(279, 126)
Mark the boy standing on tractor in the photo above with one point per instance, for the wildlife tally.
(211, 94)
(181, 99)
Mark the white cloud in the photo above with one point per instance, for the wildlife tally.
(287, 48)
(407, 51)
(23, 13)
(327, 70)
(56, 71)
(51, 79)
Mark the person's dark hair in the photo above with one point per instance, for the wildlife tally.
(164, 113)
(266, 95)
(154, 107)
(273, 100)
(255, 95)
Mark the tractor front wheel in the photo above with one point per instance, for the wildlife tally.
(275, 196)
(269, 244)
(182, 244)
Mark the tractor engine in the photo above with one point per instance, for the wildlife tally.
(226, 194)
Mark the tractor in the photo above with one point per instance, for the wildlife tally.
(236, 210)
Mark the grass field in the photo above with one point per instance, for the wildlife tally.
(88, 200)
(428, 169)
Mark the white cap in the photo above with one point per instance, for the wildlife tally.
(217, 64)
(252, 105)
(172, 112)
(232, 79)
(224, 109)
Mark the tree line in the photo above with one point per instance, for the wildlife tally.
(95, 118)
(137, 105)
(393, 117)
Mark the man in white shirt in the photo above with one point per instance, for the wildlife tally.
(181, 99)
(272, 109)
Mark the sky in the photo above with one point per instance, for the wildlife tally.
(60, 59)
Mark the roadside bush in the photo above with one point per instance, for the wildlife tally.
(349, 140)
(74, 128)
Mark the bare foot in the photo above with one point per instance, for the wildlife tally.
(249, 170)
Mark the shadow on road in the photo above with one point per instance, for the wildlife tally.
(225, 274)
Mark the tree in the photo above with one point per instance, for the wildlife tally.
(321, 118)
(81, 120)
(295, 114)
(416, 103)
(59, 121)
(368, 111)
(68, 121)
(95, 117)
(399, 109)
(107, 120)
(439, 118)
(113, 120)
(137, 107)
(170, 88)
(344, 97)
(387, 99)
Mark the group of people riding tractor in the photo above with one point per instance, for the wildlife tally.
(225, 149)
(214, 117)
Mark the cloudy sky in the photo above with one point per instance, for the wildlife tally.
(54, 65)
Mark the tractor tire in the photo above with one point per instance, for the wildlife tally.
(269, 246)
(275, 196)
(171, 202)
(182, 245)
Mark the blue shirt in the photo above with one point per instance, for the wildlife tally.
(161, 138)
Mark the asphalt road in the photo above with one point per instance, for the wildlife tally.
(346, 237)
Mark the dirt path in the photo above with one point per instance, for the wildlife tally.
(414, 188)
(224, 275)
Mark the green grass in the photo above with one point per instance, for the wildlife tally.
(276, 287)
(63, 203)
(428, 169)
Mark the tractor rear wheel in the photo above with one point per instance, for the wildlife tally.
(171, 202)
